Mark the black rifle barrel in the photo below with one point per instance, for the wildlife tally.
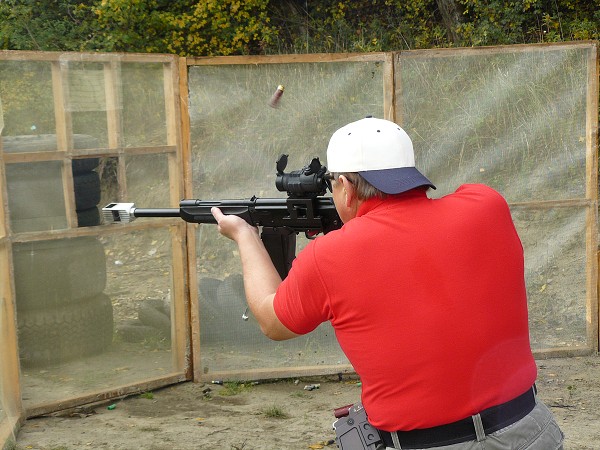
(156, 212)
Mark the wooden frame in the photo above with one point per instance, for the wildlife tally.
(186, 350)
(392, 90)
(65, 152)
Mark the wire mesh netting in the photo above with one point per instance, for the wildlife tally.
(96, 307)
(515, 120)
(93, 309)
(236, 140)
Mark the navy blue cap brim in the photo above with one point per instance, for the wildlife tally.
(396, 181)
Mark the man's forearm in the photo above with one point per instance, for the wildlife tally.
(261, 281)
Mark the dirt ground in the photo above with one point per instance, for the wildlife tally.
(277, 415)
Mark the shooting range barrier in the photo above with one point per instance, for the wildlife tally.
(91, 312)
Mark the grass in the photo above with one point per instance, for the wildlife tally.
(234, 388)
(275, 412)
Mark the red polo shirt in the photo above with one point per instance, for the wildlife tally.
(427, 299)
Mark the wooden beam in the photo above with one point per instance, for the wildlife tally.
(102, 396)
(278, 372)
(25, 55)
(10, 387)
(64, 136)
(194, 371)
(389, 91)
(591, 140)
(287, 59)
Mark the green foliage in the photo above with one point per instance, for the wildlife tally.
(530, 21)
(44, 25)
(220, 27)
(185, 28)
(128, 25)
(243, 27)
(357, 26)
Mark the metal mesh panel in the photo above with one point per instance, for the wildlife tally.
(515, 120)
(236, 140)
(94, 305)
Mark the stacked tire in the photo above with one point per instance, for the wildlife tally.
(86, 184)
(62, 311)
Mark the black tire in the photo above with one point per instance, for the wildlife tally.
(84, 165)
(87, 190)
(48, 336)
(157, 319)
(88, 217)
(50, 274)
(230, 293)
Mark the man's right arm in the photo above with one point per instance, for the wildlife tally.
(261, 279)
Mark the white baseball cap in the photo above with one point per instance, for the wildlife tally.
(380, 151)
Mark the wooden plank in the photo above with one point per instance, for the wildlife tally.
(103, 396)
(563, 352)
(180, 324)
(64, 136)
(9, 356)
(112, 77)
(25, 55)
(194, 371)
(287, 59)
(26, 157)
(105, 230)
(389, 93)
(591, 139)
(548, 204)
(278, 372)
(398, 90)
(179, 296)
(64, 130)
(9, 428)
(476, 51)
(3, 198)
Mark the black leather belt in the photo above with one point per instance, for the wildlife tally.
(493, 419)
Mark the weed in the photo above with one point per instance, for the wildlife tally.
(233, 388)
(275, 412)
(148, 395)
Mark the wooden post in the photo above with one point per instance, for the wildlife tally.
(10, 386)
(591, 139)
(179, 296)
(64, 136)
(195, 372)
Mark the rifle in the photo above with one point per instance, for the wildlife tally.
(304, 210)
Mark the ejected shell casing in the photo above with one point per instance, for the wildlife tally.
(276, 97)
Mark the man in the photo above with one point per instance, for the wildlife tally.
(426, 296)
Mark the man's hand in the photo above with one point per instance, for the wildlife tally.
(231, 226)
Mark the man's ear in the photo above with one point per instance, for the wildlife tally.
(349, 191)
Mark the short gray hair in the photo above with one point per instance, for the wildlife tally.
(364, 189)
